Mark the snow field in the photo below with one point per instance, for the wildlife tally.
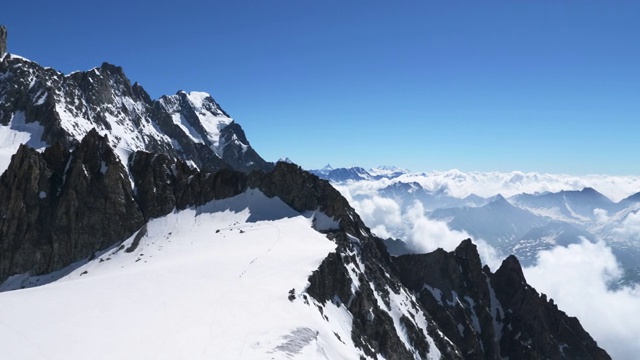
(211, 282)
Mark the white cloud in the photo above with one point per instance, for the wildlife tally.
(461, 184)
(630, 227)
(602, 216)
(576, 277)
(387, 219)
(426, 235)
(379, 211)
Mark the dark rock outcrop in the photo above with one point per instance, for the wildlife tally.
(61, 206)
(3, 40)
(535, 326)
(492, 315)
(163, 184)
(236, 150)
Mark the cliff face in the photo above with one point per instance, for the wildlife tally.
(60, 108)
(61, 206)
(493, 315)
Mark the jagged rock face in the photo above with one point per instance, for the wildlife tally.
(492, 316)
(358, 277)
(236, 150)
(454, 290)
(3, 41)
(163, 185)
(61, 206)
(304, 191)
(551, 331)
(184, 126)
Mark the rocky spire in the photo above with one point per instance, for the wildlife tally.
(3, 40)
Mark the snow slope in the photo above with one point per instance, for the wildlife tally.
(211, 282)
(16, 133)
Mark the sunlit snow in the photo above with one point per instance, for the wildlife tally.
(203, 283)
(16, 133)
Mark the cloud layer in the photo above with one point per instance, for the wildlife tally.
(460, 184)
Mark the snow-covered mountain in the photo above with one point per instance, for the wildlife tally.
(148, 229)
(358, 173)
(408, 192)
(570, 206)
(342, 174)
(546, 237)
(497, 222)
(41, 106)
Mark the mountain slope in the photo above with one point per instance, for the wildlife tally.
(496, 315)
(206, 282)
(571, 206)
(44, 106)
(497, 222)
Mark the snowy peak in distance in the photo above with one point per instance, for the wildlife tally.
(339, 175)
(43, 106)
(327, 168)
(387, 171)
(498, 222)
(209, 120)
(569, 205)
(635, 198)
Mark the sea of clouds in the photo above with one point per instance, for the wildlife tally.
(460, 184)
(576, 276)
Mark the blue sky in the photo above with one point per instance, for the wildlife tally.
(549, 86)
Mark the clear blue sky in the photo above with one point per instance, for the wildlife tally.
(550, 86)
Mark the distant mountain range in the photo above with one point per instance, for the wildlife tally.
(357, 173)
(523, 224)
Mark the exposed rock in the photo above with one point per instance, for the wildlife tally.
(236, 150)
(154, 183)
(492, 316)
(68, 106)
(304, 191)
(59, 206)
(163, 184)
(534, 319)
(3, 40)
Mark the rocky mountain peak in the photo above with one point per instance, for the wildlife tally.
(469, 251)
(511, 269)
(495, 315)
(64, 108)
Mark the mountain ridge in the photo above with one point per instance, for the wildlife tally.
(188, 126)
